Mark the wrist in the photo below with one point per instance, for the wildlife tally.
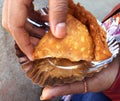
(104, 79)
(117, 78)
(114, 91)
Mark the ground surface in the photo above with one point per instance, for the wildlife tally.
(14, 86)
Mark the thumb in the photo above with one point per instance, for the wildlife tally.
(57, 17)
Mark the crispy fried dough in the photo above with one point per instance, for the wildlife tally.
(85, 40)
(97, 33)
(76, 46)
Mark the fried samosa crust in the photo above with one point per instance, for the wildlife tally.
(97, 33)
(77, 44)
(85, 39)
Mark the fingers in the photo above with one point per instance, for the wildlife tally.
(5, 15)
(51, 92)
(13, 19)
(23, 40)
(57, 17)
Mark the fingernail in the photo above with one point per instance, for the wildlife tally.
(60, 30)
(31, 58)
(41, 97)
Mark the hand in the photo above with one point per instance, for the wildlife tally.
(99, 82)
(57, 17)
(15, 13)
(14, 17)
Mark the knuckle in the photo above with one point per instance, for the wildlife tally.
(58, 11)
(28, 44)
(12, 28)
(4, 24)
(60, 6)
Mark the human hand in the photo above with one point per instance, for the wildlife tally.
(57, 17)
(99, 82)
(15, 13)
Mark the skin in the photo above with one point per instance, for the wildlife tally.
(98, 83)
(20, 29)
(14, 17)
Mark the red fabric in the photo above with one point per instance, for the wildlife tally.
(114, 91)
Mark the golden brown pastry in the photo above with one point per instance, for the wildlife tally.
(77, 44)
(85, 39)
(97, 33)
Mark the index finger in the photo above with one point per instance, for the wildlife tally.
(17, 15)
(23, 40)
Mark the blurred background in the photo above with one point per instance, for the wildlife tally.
(14, 86)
